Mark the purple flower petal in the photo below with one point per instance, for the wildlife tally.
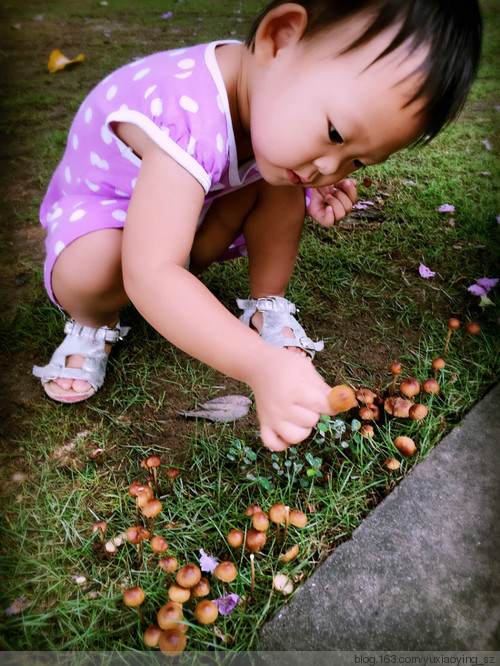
(498, 219)
(207, 563)
(486, 144)
(167, 15)
(226, 603)
(446, 208)
(487, 283)
(477, 290)
(425, 272)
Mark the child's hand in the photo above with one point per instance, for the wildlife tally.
(330, 204)
(290, 397)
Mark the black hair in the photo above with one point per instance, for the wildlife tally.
(450, 29)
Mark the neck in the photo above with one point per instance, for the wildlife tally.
(231, 59)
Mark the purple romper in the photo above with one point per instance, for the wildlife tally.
(179, 100)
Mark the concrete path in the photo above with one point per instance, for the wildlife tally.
(422, 572)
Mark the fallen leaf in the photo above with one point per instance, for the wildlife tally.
(425, 272)
(225, 408)
(58, 60)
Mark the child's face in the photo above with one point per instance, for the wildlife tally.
(316, 117)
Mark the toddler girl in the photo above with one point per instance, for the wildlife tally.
(174, 158)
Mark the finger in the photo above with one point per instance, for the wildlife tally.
(271, 440)
(344, 199)
(349, 187)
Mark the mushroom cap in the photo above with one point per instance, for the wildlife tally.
(409, 387)
(260, 521)
(365, 396)
(153, 461)
(255, 540)
(138, 487)
(430, 386)
(172, 641)
(395, 368)
(152, 635)
(173, 472)
(226, 572)
(472, 328)
(178, 593)
(253, 508)
(438, 363)
(152, 508)
(375, 411)
(143, 496)
(453, 323)
(235, 538)
(277, 513)
(298, 518)
(405, 445)
(168, 563)
(133, 534)
(367, 431)
(398, 407)
(188, 575)
(282, 583)
(101, 525)
(170, 615)
(290, 554)
(201, 589)
(342, 398)
(133, 596)
(366, 414)
(392, 463)
(206, 612)
(158, 544)
(418, 411)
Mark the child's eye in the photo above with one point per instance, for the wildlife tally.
(333, 135)
(358, 164)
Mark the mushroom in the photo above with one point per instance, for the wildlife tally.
(206, 612)
(453, 325)
(172, 473)
(172, 641)
(438, 364)
(409, 387)
(168, 563)
(471, 328)
(277, 514)
(188, 575)
(158, 544)
(134, 596)
(170, 616)
(398, 407)
(225, 572)
(365, 414)
(341, 399)
(139, 491)
(152, 635)
(260, 521)
(298, 518)
(392, 463)
(418, 412)
(290, 554)
(430, 386)
(100, 526)
(375, 411)
(283, 584)
(255, 540)
(365, 396)
(153, 462)
(235, 538)
(395, 369)
(178, 593)
(253, 508)
(201, 589)
(405, 445)
(367, 431)
(135, 535)
(151, 509)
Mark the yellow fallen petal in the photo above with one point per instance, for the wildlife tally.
(59, 61)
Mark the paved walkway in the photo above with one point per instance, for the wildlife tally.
(422, 572)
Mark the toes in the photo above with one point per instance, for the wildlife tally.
(64, 383)
(81, 386)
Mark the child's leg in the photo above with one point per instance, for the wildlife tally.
(87, 283)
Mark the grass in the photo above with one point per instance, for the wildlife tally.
(358, 288)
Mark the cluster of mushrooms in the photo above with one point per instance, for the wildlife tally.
(373, 406)
(169, 632)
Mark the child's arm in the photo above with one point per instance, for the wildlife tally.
(161, 222)
(330, 204)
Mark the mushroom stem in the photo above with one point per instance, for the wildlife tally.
(287, 513)
(141, 617)
(252, 565)
(453, 325)
(155, 477)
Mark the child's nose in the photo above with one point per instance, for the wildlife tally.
(327, 165)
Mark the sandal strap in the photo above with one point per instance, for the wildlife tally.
(88, 342)
(277, 313)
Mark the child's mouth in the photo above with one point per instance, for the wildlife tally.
(294, 178)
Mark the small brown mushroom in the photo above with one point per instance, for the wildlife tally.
(283, 584)
(235, 538)
(471, 328)
(396, 371)
(290, 554)
(178, 593)
(170, 616)
(341, 399)
(168, 563)
(365, 414)
(438, 364)
(453, 325)
(430, 386)
(134, 596)
(152, 635)
(158, 544)
(405, 445)
(392, 463)
(255, 540)
(201, 589)
(153, 462)
(172, 641)
(418, 412)
(100, 526)
(253, 508)
(409, 387)
(298, 518)
(225, 572)
(365, 396)
(367, 431)
(398, 407)
(260, 521)
(188, 575)
(151, 509)
(172, 473)
(206, 612)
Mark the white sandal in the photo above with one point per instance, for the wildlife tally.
(89, 343)
(276, 315)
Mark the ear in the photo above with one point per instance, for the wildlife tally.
(281, 27)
